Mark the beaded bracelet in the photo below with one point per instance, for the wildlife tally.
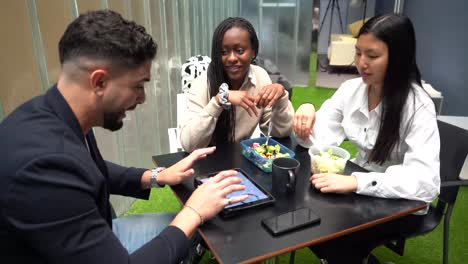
(201, 217)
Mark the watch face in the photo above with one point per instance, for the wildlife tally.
(154, 177)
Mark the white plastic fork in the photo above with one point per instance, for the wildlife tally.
(270, 126)
(314, 142)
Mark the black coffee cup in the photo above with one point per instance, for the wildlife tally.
(284, 172)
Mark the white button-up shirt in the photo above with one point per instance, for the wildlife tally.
(412, 170)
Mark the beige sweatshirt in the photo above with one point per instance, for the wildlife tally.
(199, 124)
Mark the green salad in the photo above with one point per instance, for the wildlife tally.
(326, 162)
(268, 151)
(329, 154)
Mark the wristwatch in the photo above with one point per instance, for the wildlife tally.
(154, 176)
(223, 96)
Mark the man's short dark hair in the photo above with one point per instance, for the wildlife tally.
(106, 35)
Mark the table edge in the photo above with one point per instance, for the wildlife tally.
(335, 235)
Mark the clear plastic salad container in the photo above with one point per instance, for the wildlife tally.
(328, 159)
(251, 150)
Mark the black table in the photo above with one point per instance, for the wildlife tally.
(242, 239)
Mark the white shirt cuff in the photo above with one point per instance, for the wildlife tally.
(304, 143)
(366, 183)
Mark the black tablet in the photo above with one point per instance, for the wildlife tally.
(258, 196)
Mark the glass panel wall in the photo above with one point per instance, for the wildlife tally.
(284, 29)
(1, 110)
(19, 72)
(52, 28)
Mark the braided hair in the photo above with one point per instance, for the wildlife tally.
(225, 127)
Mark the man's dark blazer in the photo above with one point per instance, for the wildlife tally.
(54, 192)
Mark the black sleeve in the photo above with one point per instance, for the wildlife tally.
(126, 181)
(51, 206)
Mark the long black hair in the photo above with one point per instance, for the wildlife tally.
(397, 32)
(225, 127)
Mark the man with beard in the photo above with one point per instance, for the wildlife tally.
(54, 184)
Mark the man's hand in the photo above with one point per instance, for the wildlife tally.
(331, 182)
(183, 169)
(207, 200)
(210, 197)
(269, 95)
(304, 120)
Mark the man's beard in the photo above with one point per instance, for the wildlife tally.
(112, 121)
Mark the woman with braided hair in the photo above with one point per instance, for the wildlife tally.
(220, 113)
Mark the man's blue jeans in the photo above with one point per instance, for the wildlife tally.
(136, 230)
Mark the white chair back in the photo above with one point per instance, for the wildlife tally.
(191, 69)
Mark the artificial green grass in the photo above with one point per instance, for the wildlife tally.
(161, 200)
(315, 96)
(312, 69)
(422, 249)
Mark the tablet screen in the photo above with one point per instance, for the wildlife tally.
(254, 193)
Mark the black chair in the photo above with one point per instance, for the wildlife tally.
(275, 75)
(453, 152)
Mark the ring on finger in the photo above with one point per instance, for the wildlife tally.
(229, 201)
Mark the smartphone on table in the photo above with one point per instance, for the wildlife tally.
(290, 221)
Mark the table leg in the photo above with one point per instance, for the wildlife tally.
(273, 260)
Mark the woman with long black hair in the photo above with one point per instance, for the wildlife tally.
(388, 116)
(220, 113)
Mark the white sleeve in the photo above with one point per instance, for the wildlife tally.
(417, 178)
(327, 129)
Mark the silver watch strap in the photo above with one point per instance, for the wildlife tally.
(154, 177)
